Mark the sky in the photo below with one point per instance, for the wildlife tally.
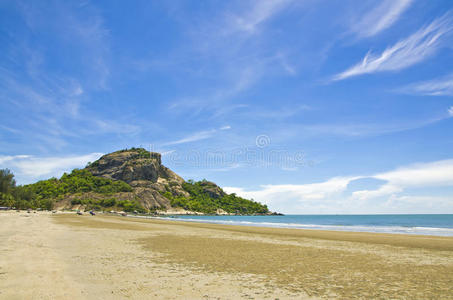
(311, 107)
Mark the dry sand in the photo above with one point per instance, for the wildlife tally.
(65, 256)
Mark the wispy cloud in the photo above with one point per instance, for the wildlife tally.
(368, 129)
(380, 17)
(450, 111)
(435, 87)
(255, 15)
(86, 29)
(412, 50)
(111, 126)
(197, 136)
(230, 52)
(280, 112)
(29, 168)
(7, 158)
(330, 196)
(54, 101)
(236, 81)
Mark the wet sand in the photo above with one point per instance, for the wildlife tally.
(65, 256)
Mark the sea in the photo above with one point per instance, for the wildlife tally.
(429, 224)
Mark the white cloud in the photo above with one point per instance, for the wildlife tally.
(197, 136)
(364, 129)
(421, 204)
(87, 32)
(111, 126)
(414, 49)
(257, 14)
(330, 196)
(422, 175)
(380, 17)
(436, 87)
(297, 194)
(278, 112)
(231, 41)
(7, 158)
(450, 111)
(238, 79)
(29, 168)
(165, 153)
(439, 173)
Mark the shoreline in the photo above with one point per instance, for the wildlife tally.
(359, 228)
(406, 240)
(100, 257)
(388, 229)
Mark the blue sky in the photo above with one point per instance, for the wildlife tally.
(308, 106)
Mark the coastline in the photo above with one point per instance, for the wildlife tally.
(300, 222)
(406, 240)
(97, 257)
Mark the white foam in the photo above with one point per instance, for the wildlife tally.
(354, 228)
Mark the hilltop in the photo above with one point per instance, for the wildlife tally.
(132, 180)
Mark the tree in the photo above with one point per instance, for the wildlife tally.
(7, 182)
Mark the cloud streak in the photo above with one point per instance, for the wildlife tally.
(256, 15)
(197, 136)
(381, 17)
(410, 51)
(435, 87)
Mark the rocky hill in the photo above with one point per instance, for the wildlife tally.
(135, 179)
(144, 172)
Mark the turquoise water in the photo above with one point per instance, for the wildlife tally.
(441, 225)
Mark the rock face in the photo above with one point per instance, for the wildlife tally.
(212, 189)
(151, 184)
(144, 171)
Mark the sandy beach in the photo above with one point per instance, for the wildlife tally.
(65, 256)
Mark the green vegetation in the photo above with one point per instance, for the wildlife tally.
(110, 203)
(20, 197)
(140, 153)
(79, 181)
(97, 193)
(43, 194)
(200, 200)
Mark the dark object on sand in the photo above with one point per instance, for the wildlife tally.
(29, 210)
(79, 213)
(92, 213)
(54, 211)
(124, 214)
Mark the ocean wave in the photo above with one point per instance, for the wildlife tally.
(354, 228)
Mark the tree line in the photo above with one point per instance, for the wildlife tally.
(43, 194)
(201, 201)
(19, 197)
